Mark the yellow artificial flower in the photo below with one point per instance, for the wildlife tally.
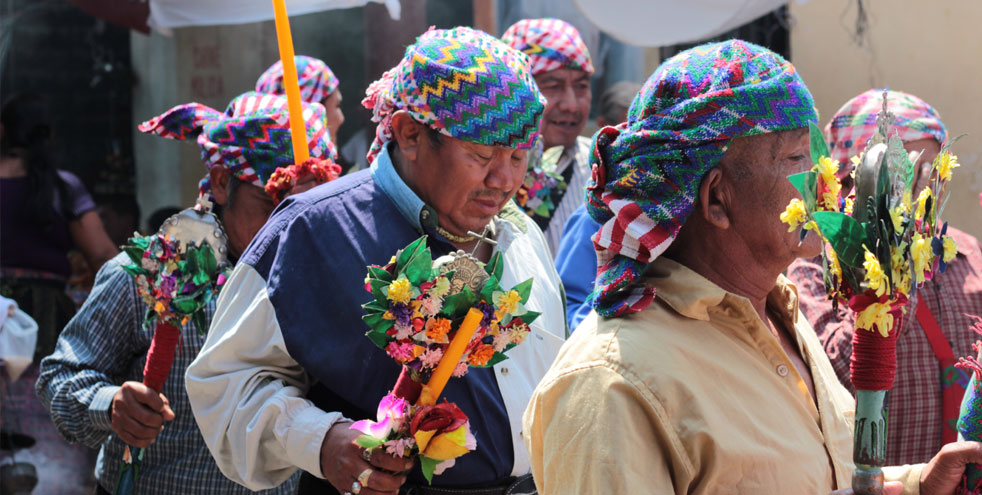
(442, 446)
(507, 302)
(795, 214)
(897, 216)
(875, 277)
(400, 291)
(945, 163)
(901, 269)
(949, 249)
(827, 168)
(877, 317)
(834, 265)
(921, 255)
(848, 207)
(922, 203)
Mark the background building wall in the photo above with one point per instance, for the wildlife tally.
(929, 49)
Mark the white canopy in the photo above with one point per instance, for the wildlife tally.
(180, 13)
(670, 22)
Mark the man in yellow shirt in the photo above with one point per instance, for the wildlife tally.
(695, 374)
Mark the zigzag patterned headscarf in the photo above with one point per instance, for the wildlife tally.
(647, 171)
(550, 44)
(464, 84)
(251, 138)
(316, 80)
(855, 123)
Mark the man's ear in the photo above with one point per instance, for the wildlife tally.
(408, 134)
(713, 199)
(219, 184)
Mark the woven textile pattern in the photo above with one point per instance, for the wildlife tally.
(647, 171)
(316, 80)
(251, 138)
(855, 123)
(550, 44)
(464, 84)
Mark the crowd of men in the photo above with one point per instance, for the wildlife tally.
(685, 343)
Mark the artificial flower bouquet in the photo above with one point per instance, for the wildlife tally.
(178, 271)
(882, 241)
(434, 323)
(882, 245)
(542, 183)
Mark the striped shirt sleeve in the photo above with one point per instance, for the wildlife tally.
(78, 381)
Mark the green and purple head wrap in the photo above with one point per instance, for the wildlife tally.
(647, 171)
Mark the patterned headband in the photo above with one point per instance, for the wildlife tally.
(647, 171)
(251, 138)
(550, 44)
(464, 84)
(316, 79)
(855, 123)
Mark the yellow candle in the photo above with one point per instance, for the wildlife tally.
(432, 390)
(297, 128)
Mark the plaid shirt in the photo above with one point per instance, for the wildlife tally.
(914, 429)
(104, 345)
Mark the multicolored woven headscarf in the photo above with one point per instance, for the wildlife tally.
(855, 123)
(251, 138)
(550, 44)
(316, 79)
(647, 171)
(463, 83)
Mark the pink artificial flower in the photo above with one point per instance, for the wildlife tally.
(460, 370)
(431, 358)
(391, 416)
(400, 352)
(400, 446)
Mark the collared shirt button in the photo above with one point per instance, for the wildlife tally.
(425, 214)
(504, 371)
(782, 370)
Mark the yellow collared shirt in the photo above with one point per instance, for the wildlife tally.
(693, 395)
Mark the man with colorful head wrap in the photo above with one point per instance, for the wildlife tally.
(925, 399)
(92, 383)
(696, 374)
(561, 65)
(318, 84)
(287, 362)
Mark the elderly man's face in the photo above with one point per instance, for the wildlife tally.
(245, 208)
(567, 92)
(467, 183)
(757, 168)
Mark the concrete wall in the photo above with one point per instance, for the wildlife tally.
(929, 49)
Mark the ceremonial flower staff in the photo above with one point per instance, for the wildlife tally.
(883, 244)
(177, 271)
(418, 303)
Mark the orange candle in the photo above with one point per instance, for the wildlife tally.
(297, 129)
(432, 390)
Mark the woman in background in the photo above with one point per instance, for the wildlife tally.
(44, 214)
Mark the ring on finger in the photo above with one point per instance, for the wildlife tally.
(367, 455)
(363, 477)
(356, 488)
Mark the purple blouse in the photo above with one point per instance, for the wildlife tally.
(23, 244)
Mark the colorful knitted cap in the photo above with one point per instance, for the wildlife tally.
(647, 171)
(251, 138)
(463, 83)
(855, 123)
(316, 79)
(550, 44)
